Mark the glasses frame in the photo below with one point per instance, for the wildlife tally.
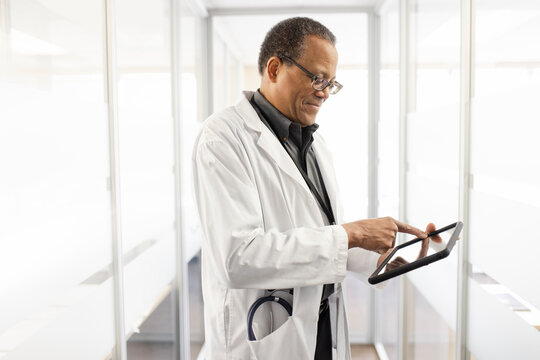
(334, 86)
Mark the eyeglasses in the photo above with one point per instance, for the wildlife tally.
(317, 83)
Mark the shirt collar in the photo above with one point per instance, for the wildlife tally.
(282, 126)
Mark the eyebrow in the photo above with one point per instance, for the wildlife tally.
(325, 75)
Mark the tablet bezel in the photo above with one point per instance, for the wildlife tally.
(376, 278)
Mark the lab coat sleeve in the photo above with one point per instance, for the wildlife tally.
(244, 254)
(362, 262)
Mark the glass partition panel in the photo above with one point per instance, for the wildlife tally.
(505, 190)
(219, 85)
(387, 318)
(343, 118)
(147, 175)
(190, 113)
(432, 171)
(190, 118)
(389, 113)
(344, 123)
(55, 216)
(428, 335)
(504, 145)
(233, 75)
(490, 306)
(387, 299)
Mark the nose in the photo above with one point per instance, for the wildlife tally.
(324, 94)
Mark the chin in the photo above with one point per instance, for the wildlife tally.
(304, 123)
(309, 122)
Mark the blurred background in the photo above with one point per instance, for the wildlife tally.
(100, 104)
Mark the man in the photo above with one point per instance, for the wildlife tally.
(267, 199)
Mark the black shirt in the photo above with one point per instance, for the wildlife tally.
(297, 140)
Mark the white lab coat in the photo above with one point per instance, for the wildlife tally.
(263, 229)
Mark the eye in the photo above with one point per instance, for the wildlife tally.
(319, 81)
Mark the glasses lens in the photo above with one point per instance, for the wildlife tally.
(335, 87)
(319, 83)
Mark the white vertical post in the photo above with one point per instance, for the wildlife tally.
(5, 29)
(403, 110)
(5, 25)
(208, 51)
(226, 74)
(373, 120)
(239, 79)
(180, 288)
(120, 351)
(374, 42)
(467, 16)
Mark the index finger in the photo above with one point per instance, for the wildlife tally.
(406, 228)
(431, 228)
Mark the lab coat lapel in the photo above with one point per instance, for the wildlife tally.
(269, 143)
(324, 159)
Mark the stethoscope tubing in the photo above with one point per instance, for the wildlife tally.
(255, 306)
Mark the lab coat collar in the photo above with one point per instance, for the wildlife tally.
(270, 144)
(267, 141)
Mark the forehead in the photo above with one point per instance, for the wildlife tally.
(319, 56)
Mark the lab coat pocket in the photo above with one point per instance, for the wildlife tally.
(282, 344)
(336, 315)
(338, 319)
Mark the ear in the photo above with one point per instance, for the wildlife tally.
(273, 66)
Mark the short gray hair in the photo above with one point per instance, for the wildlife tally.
(288, 36)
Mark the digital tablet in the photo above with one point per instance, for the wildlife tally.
(412, 255)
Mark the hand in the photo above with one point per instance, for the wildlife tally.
(378, 235)
(423, 250)
(425, 243)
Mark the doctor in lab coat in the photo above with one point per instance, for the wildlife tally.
(263, 228)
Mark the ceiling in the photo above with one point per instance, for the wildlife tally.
(350, 28)
(213, 4)
(350, 31)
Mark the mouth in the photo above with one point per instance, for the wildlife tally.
(314, 106)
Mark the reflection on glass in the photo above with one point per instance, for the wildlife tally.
(432, 172)
(388, 318)
(219, 84)
(504, 162)
(55, 233)
(349, 110)
(190, 124)
(433, 111)
(147, 190)
(387, 299)
(196, 306)
(358, 308)
(505, 111)
(428, 336)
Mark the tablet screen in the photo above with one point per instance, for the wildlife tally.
(418, 250)
(417, 253)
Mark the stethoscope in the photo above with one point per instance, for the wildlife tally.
(257, 304)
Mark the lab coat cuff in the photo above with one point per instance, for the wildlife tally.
(372, 261)
(342, 240)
